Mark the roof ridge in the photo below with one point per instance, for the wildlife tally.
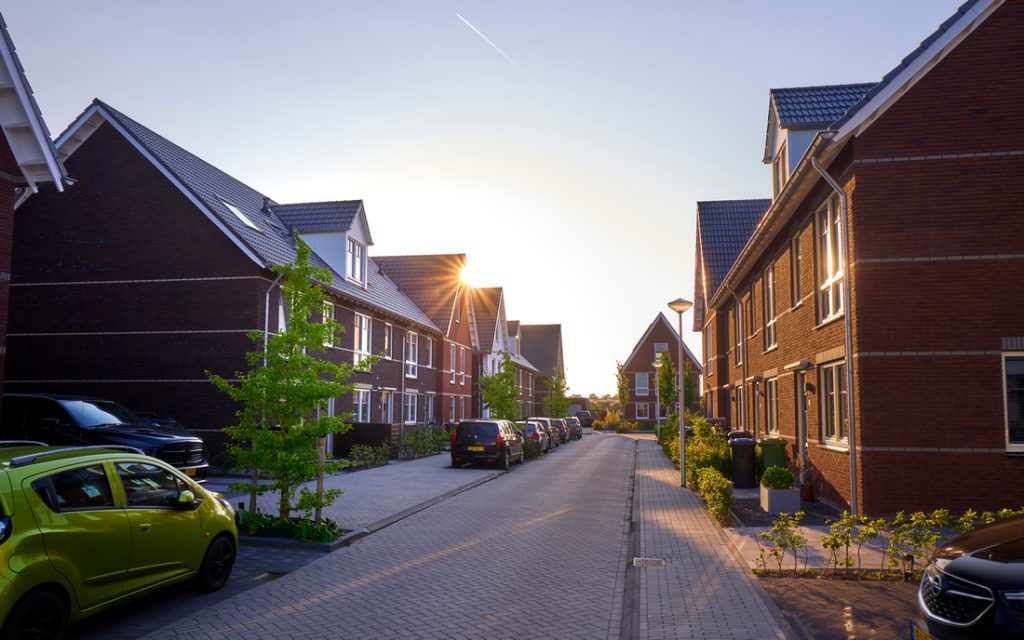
(425, 255)
(846, 85)
(306, 204)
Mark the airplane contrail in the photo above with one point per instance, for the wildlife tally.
(495, 47)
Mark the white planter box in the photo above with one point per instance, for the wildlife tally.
(776, 501)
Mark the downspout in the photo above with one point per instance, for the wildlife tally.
(847, 322)
(401, 405)
(742, 336)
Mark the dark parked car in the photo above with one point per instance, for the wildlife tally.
(492, 441)
(554, 432)
(560, 424)
(575, 428)
(973, 587)
(586, 419)
(535, 431)
(78, 420)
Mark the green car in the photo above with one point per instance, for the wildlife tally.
(85, 528)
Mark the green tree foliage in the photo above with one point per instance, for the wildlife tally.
(556, 404)
(622, 384)
(667, 389)
(283, 421)
(499, 390)
(691, 393)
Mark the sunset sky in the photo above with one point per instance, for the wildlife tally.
(561, 145)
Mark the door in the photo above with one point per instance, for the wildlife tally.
(85, 533)
(167, 541)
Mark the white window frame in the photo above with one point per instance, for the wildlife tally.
(737, 317)
(1015, 446)
(451, 408)
(741, 406)
(709, 350)
(235, 209)
(328, 315)
(387, 406)
(646, 412)
(644, 390)
(794, 271)
(462, 408)
(430, 352)
(362, 337)
(462, 365)
(771, 405)
(282, 313)
(355, 261)
(451, 372)
(361, 402)
(833, 394)
(780, 171)
(768, 285)
(829, 260)
(412, 354)
(389, 341)
(428, 407)
(410, 404)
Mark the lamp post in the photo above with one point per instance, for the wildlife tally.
(657, 393)
(681, 306)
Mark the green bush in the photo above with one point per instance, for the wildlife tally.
(613, 420)
(710, 451)
(531, 449)
(784, 534)
(716, 491)
(363, 455)
(597, 424)
(424, 442)
(777, 478)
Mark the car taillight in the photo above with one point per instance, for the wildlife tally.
(534, 436)
(453, 435)
(5, 529)
(499, 440)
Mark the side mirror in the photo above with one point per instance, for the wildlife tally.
(186, 499)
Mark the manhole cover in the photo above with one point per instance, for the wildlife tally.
(267, 577)
(648, 562)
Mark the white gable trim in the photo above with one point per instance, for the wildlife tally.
(917, 69)
(662, 319)
(91, 120)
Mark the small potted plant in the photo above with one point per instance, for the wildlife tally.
(777, 492)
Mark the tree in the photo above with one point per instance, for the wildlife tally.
(622, 383)
(690, 391)
(283, 422)
(500, 391)
(555, 403)
(668, 390)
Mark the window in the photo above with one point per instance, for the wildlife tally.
(768, 284)
(780, 171)
(642, 411)
(771, 405)
(834, 425)
(430, 351)
(1013, 366)
(329, 318)
(428, 408)
(387, 407)
(458, 308)
(642, 383)
(244, 219)
(660, 348)
(355, 260)
(85, 488)
(748, 313)
(451, 408)
(711, 403)
(829, 260)
(709, 351)
(741, 406)
(412, 354)
(147, 485)
(389, 341)
(361, 336)
(462, 408)
(282, 313)
(410, 408)
(451, 372)
(462, 365)
(361, 399)
(737, 317)
(794, 270)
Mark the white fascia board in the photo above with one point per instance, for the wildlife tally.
(98, 110)
(917, 69)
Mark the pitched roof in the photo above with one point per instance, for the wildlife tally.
(311, 217)
(271, 241)
(513, 327)
(660, 318)
(821, 105)
(23, 124)
(432, 281)
(542, 345)
(724, 227)
(486, 301)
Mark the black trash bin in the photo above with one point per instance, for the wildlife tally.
(743, 462)
(739, 434)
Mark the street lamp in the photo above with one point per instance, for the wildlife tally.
(657, 392)
(681, 306)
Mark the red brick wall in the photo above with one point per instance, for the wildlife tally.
(459, 333)
(643, 362)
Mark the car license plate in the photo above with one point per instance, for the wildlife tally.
(190, 472)
(474, 448)
(917, 633)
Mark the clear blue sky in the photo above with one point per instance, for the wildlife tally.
(568, 177)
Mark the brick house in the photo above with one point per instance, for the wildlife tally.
(495, 337)
(901, 359)
(542, 346)
(659, 341)
(156, 266)
(28, 160)
(434, 283)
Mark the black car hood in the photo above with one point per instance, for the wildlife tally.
(143, 431)
(992, 555)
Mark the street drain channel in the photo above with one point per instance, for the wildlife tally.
(648, 562)
(267, 577)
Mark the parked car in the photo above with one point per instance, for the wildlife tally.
(586, 419)
(535, 431)
(492, 441)
(554, 432)
(71, 516)
(973, 587)
(560, 424)
(78, 420)
(575, 428)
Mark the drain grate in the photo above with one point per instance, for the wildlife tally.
(648, 562)
(267, 577)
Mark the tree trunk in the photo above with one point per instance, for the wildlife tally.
(254, 482)
(320, 463)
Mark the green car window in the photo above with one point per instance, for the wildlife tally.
(147, 485)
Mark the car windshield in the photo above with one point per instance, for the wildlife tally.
(91, 413)
(478, 428)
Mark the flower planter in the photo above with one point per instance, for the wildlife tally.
(776, 501)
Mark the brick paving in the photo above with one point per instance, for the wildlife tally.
(702, 591)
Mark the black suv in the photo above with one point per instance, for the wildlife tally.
(492, 441)
(78, 420)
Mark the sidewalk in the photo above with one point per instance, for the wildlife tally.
(703, 590)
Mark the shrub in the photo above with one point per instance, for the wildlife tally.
(424, 442)
(716, 491)
(366, 456)
(626, 427)
(701, 453)
(598, 424)
(531, 449)
(777, 478)
(613, 420)
(785, 534)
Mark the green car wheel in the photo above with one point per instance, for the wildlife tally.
(40, 614)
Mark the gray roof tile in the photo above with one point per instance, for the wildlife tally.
(725, 226)
(809, 106)
(542, 345)
(311, 217)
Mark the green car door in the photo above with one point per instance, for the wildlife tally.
(166, 537)
(85, 533)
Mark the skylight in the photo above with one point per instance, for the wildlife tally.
(238, 213)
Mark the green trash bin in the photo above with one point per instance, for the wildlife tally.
(773, 452)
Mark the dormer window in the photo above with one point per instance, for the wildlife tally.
(244, 219)
(355, 260)
(780, 171)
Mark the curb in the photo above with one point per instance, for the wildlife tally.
(358, 534)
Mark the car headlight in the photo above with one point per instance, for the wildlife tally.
(1015, 603)
(224, 502)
